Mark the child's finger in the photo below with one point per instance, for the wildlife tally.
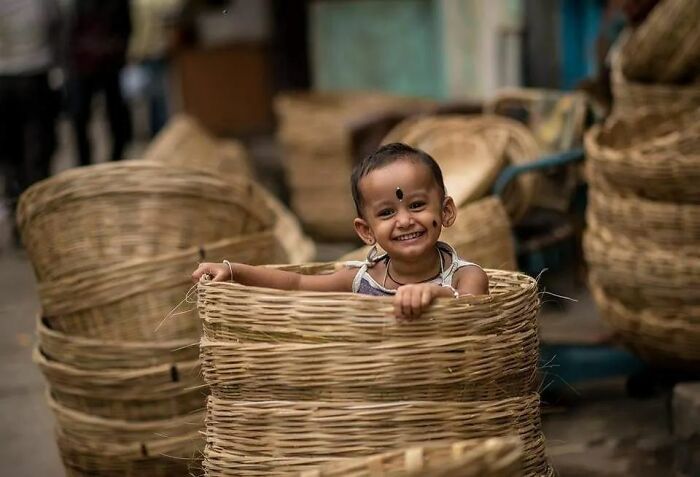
(426, 298)
(397, 306)
(407, 305)
(416, 301)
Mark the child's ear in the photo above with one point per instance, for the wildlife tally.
(364, 231)
(449, 212)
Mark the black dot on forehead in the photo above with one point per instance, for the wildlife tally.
(399, 193)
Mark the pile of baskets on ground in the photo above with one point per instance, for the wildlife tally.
(301, 379)
(643, 239)
(113, 247)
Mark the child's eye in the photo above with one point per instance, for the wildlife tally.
(416, 205)
(385, 212)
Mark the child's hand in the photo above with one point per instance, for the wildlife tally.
(411, 300)
(219, 271)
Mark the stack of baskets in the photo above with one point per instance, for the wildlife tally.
(113, 247)
(299, 379)
(316, 134)
(643, 239)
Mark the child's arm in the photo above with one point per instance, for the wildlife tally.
(411, 300)
(250, 275)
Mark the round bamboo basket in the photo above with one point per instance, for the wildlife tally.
(155, 392)
(509, 143)
(231, 312)
(669, 225)
(477, 367)
(665, 337)
(494, 457)
(631, 97)
(185, 143)
(133, 209)
(481, 234)
(653, 156)
(98, 354)
(666, 46)
(641, 275)
(266, 437)
(144, 299)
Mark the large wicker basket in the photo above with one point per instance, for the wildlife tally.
(315, 131)
(144, 299)
(494, 457)
(654, 156)
(88, 218)
(481, 234)
(299, 378)
(667, 337)
(666, 46)
(643, 275)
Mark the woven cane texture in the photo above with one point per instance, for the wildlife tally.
(666, 337)
(642, 275)
(274, 437)
(666, 46)
(494, 457)
(315, 130)
(160, 391)
(653, 156)
(233, 312)
(467, 368)
(670, 225)
(163, 457)
(133, 300)
(136, 209)
(509, 142)
(184, 142)
(481, 234)
(92, 353)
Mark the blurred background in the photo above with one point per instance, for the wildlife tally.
(568, 129)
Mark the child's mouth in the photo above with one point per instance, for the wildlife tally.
(411, 236)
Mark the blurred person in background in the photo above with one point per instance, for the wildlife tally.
(97, 41)
(149, 50)
(29, 36)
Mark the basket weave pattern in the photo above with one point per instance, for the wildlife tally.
(299, 378)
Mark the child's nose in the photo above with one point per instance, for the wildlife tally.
(403, 218)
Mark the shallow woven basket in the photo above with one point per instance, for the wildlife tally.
(655, 156)
(631, 97)
(92, 445)
(481, 234)
(144, 299)
(665, 337)
(315, 132)
(184, 142)
(88, 218)
(231, 312)
(666, 46)
(494, 457)
(154, 392)
(641, 275)
(97, 354)
(509, 143)
(274, 437)
(669, 225)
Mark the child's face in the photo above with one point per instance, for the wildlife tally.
(403, 211)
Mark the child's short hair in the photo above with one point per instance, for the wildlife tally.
(386, 155)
